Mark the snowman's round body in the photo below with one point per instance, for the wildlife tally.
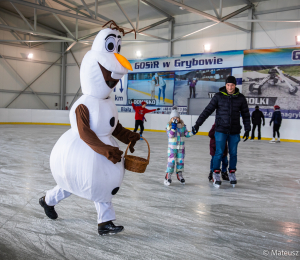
(79, 169)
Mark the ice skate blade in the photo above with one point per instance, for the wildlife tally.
(216, 185)
(167, 183)
(233, 185)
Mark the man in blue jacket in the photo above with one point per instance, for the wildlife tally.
(229, 104)
(277, 119)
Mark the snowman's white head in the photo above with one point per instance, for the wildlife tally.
(102, 67)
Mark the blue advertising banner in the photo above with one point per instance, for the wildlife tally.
(165, 82)
(272, 77)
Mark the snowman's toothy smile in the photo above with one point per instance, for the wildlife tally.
(111, 83)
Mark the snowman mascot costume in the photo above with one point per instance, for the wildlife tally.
(86, 160)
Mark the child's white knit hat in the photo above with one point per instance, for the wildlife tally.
(174, 112)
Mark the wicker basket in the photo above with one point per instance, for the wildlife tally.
(134, 163)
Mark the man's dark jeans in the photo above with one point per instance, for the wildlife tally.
(233, 141)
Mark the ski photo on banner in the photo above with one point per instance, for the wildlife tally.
(198, 84)
(155, 88)
(272, 77)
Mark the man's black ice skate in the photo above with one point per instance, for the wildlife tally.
(49, 210)
(180, 177)
(217, 178)
(232, 178)
(109, 228)
(210, 176)
(225, 176)
(168, 179)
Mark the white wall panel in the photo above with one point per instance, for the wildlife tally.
(73, 79)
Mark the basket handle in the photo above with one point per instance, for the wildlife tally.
(148, 149)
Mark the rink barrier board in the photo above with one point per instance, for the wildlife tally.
(147, 130)
(206, 134)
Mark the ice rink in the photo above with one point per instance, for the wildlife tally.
(182, 90)
(192, 221)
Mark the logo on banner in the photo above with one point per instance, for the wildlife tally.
(151, 102)
(262, 101)
(296, 55)
(211, 94)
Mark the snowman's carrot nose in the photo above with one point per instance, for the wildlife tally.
(124, 62)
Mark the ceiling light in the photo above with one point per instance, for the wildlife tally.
(138, 54)
(298, 40)
(30, 56)
(207, 48)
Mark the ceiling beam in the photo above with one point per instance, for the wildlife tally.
(39, 24)
(243, 9)
(137, 16)
(156, 8)
(32, 41)
(193, 10)
(56, 11)
(214, 8)
(86, 8)
(265, 21)
(123, 11)
(189, 34)
(154, 24)
(63, 25)
(22, 16)
(15, 34)
(210, 17)
(36, 33)
(96, 9)
(221, 8)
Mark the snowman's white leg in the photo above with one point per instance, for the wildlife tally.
(105, 211)
(56, 195)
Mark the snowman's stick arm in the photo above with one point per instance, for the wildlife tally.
(126, 136)
(91, 139)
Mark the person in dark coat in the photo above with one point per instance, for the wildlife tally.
(229, 104)
(277, 119)
(212, 148)
(193, 84)
(256, 118)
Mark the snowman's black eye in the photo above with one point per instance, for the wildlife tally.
(119, 45)
(110, 44)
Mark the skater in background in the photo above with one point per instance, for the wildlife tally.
(230, 105)
(277, 119)
(159, 82)
(256, 118)
(193, 84)
(176, 130)
(212, 146)
(140, 112)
